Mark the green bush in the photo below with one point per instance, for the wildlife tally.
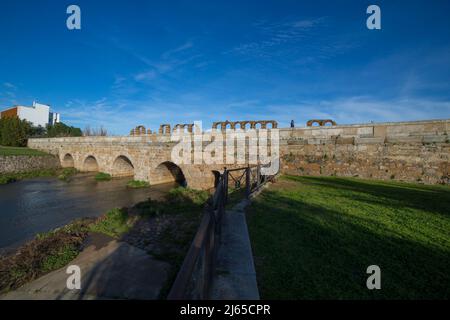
(101, 176)
(14, 132)
(62, 130)
(137, 184)
(60, 258)
(114, 223)
(11, 177)
(67, 173)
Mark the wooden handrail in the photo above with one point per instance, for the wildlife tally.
(204, 247)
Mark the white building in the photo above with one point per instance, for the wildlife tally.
(38, 114)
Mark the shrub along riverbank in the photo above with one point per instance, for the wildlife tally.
(62, 174)
(164, 229)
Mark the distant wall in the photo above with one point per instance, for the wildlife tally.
(11, 164)
(409, 151)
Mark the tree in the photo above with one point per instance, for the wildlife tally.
(88, 131)
(62, 130)
(14, 132)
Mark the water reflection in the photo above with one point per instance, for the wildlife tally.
(39, 205)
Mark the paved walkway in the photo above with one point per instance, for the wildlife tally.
(235, 276)
(109, 270)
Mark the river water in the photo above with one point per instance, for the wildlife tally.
(28, 207)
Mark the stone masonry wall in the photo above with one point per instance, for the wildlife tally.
(416, 151)
(11, 164)
(411, 151)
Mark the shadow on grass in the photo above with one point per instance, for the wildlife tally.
(307, 251)
(434, 198)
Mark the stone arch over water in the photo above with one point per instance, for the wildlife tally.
(167, 172)
(122, 167)
(68, 161)
(90, 164)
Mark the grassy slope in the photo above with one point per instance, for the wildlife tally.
(17, 151)
(314, 237)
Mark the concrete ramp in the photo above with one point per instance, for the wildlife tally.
(109, 270)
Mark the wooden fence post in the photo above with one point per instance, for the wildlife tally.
(247, 182)
(258, 176)
(225, 182)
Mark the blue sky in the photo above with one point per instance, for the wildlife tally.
(152, 62)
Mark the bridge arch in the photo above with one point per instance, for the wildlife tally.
(68, 161)
(90, 164)
(166, 172)
(122, 167)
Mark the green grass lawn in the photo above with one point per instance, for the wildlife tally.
(314, 237)
(18, 151)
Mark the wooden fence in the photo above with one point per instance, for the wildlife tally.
(195, 275)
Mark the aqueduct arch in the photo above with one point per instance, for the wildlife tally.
(320, 122)
(262, 124)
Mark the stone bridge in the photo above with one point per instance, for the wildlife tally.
(408, 151)
(146, 158)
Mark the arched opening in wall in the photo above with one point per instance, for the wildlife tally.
(258, 125)
(90, 164)
(315, 124)
(327, 124)
(216, 177)
(168, 172)
(68, 161)
(122, 167)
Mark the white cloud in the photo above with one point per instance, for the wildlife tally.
(9, 85)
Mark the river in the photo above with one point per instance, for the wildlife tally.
(32, 206)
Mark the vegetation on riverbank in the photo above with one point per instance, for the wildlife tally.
(164, 229)
(12, 177)
(135, 184)
(47, 252)
(314, 237)
(62, 174)
(20, 151)
(101, 176)
(67, 173)
(114, 223)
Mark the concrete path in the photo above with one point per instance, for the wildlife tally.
(235, 276)
(109, 270)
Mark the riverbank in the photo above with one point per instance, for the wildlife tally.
(20, 163)
(60, 173)
(162, 229)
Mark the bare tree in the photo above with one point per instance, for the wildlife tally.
(101, 131)
(87, 131)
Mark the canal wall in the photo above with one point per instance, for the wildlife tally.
(16, 164)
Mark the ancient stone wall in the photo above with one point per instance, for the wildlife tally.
(11, 164)
(410, 151)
